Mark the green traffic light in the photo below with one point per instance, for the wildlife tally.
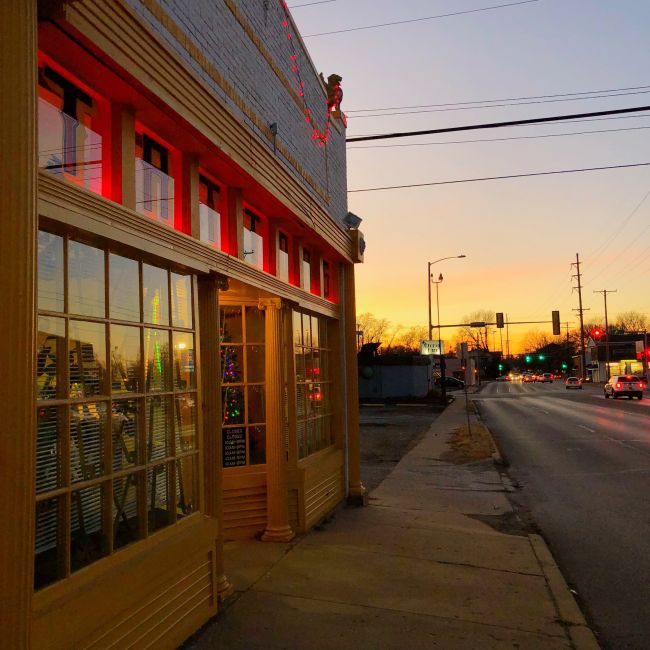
(541, 357)
(564, 366)
(528, 358)
(500, 366)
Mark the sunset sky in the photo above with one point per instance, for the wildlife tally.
(520, 236)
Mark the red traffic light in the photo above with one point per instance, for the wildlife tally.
(596, 333)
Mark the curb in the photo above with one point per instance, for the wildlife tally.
(498, 457)
(581, 635)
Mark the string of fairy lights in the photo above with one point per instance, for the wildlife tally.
(320, 136)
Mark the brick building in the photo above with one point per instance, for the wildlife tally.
(179, 330)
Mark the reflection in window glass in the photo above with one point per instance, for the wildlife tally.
(185, 423)
(154, 187)
(314, 332)
(125, 510)
(297, 327)
(257, 445)
(230, 319)
(159, 439)
(87, 453)
(157, 360)
(50, 272)
(86, 280)
(125, 423)
(184, 375)
(254, 325)
(126, 359)
(48, 449)
(48, 548)
(124, 288)
(181, 301)
(158, 497)
(155, 296)
(187, 486)
(87, 534)
(50, 356)
(87, 353)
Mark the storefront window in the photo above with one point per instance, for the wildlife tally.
(154, 180)
(209, 217)
(314, 383)
(116, 435)
(69, 144)
(243, 388)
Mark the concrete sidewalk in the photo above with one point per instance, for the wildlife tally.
(417, 568)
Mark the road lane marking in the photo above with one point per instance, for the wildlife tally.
(582, 426)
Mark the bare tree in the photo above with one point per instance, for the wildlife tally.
(534, 340)
(631, 321)
(374, 329)
(409, 339)
(476, 336)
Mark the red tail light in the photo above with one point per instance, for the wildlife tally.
(618, 384)
(641, 385)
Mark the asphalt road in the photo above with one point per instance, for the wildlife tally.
(583, 464)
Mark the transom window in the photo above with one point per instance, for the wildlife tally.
(313, 360)
(210, 219)
(116, 440)
(154, 182)
(253, 239)
(69, 141)
(243, 389)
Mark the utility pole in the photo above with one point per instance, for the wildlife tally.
(578, 276)
(507, 336)
(605, 292)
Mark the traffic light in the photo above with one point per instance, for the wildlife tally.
(564, 366)
(528, 358)
(500, 320)
(541, 357)
(555, 317)
(596, 333)
(500, 366)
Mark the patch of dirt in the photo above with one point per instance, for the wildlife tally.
(469, 445)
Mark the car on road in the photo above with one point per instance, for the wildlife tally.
(546, 376)
(528, 378)
(573, 382)
(619, 385)
(451, 383)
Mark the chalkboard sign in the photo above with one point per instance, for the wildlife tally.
(234, 447)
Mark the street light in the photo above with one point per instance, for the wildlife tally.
(442, 358)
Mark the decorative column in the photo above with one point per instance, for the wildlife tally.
(356, 491)
(18, 225)
(277, 506)
(210, 359)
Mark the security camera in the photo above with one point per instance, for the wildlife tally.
(352, 221)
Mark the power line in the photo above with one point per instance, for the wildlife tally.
(496, 125)
(498, 178)
(470, 108)
(418, 20)
(308, 4)
(517, 137)
(502, 99)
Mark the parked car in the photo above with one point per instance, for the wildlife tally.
(451, 383)
(546, 376)
(620, 385)
(573, 382)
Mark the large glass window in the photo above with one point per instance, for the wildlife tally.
(154, 180)
(243, 392)
(209, 217)
(116, 438)
(314, 383)
(253, 240)
(69, 139)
